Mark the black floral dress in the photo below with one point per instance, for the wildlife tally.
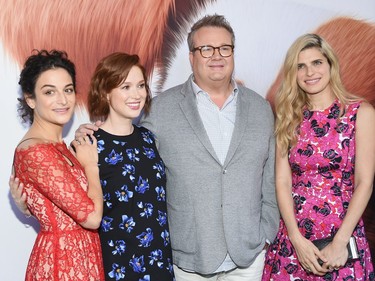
(134, 231)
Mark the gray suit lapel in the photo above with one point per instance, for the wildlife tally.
(189, 108)
(243, 107)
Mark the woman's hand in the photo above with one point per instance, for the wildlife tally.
(336, 254)
(87, 129)
(19, 197)
(85, 150)
(308, 255)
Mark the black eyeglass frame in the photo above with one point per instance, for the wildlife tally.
(214, 48)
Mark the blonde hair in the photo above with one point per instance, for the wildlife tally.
(291, 99)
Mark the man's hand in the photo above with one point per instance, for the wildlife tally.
(87, 129)
(19, 197)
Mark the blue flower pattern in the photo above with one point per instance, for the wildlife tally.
(107, 200)
(132, 154)
(160, 191)
(134, 230)
(165, 236)
(147, 209)
(156, 257)
(113, 158)
(127, 223)
(129, 169)
(142, 185)
(117, 272)
(124, 194)
(145, 278)
(149, 152)
(122, 143)
(145, 238)
(137, 263)
(106, 224)
(148, 137)
(162, 218)
(118, 246)
(159, 167)
(100, 146)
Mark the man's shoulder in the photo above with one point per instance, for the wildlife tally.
(170, 91)
(252, 95)
(172, 94)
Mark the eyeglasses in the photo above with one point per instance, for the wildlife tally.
(208, 51)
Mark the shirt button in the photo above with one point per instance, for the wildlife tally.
(224, 171)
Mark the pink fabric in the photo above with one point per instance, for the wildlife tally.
(322, 165)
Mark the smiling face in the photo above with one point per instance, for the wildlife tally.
(217, 69)
(127, 100)
(55, 97)
(313, 75)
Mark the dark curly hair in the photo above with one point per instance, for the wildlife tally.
(34, 66)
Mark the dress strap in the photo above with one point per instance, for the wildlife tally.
(26, 140)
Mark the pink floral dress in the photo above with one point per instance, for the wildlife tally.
(322, 164)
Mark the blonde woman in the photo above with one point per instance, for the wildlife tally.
(325, 164)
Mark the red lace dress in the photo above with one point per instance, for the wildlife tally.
(56, 189)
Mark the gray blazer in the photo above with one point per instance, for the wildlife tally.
(214, 209)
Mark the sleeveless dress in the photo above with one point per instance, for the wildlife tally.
(322, 164)
(134, 231)
(56, 191)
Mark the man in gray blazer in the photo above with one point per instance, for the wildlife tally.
(216, 140)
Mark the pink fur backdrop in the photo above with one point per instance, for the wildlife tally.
(156, 30)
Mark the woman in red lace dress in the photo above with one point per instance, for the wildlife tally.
(61, 185)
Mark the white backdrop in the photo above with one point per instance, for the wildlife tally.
(264, 30)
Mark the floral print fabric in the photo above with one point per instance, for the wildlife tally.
(56, 189)
(134, 231)
(322, 164)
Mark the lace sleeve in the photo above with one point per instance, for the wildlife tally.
(63, 183)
